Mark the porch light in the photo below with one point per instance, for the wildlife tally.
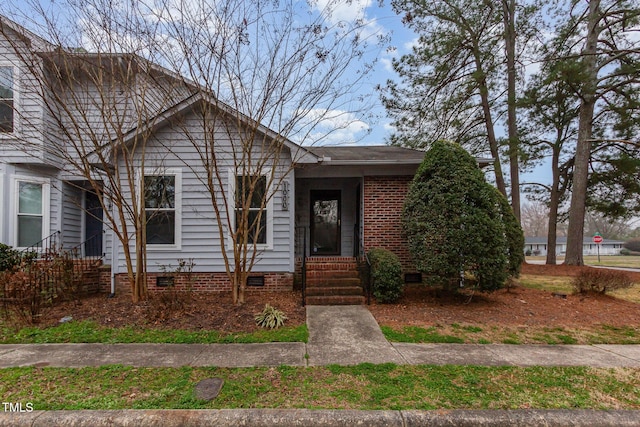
(285, 195)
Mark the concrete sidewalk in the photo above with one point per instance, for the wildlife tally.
(346, 335)
(337, 335)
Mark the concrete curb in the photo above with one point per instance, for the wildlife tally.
(327, 418)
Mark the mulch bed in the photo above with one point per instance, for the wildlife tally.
(419, 306)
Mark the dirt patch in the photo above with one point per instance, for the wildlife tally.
(515, 307)
(420, 306)
(196, 311)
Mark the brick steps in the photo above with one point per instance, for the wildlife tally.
(330, 283)
(333, 281)
(336, 300)
(334, 290)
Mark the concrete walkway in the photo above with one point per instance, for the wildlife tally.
(337, 335)
(346, 335)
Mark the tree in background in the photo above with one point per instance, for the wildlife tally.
(449, 82)
(462, 76)
(550, 125)
(535, 217)
(607, 82)
(456, 222)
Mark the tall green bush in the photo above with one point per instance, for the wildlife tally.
(386, 275)
(457, 223)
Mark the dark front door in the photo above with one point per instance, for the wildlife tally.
(92, 225)
(325, 222)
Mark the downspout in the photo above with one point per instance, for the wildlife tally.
(114, 263)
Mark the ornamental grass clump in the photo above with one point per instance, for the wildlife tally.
(270, 317)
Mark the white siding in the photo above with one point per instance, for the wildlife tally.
(24, 144)
(71, 216)
(201, 241)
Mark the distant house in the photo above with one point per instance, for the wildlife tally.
(538, 246)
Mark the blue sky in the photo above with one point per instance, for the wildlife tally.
(381, 19)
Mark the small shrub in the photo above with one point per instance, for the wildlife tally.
(625, 251)
(174, 297)
(386, 275)
(9, 257)
(270, 317)
(633, 245)
(601, 281)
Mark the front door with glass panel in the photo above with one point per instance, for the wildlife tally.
(325, 222)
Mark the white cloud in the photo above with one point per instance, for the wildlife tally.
(332, 127)
(343, 10)
(352, 11)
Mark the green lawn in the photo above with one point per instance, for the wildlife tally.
(366, 387)
(605, 260)
(91, 332)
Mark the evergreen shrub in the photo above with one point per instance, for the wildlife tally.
(386, 275)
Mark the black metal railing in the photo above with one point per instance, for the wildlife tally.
(301, 251)
(44, 248)
(364, 265)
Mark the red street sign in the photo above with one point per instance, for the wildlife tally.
(597, 239)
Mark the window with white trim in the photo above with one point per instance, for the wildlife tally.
(258, 218)
(31, 212)
(162, 208)
(6, 99)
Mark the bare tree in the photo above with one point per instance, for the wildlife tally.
(535, 217)
(278, 76)
(94, 104)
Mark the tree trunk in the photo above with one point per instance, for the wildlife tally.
(583, 149)
(554, 203)
(491, 135)
(514, 145)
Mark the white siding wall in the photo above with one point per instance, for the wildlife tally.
(28, 125)
(71, 216)
(200, 239)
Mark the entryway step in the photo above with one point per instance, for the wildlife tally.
(334, 290)
(333, 282)
(336, 300)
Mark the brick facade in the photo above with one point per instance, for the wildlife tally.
(204, 282)
(383, 200)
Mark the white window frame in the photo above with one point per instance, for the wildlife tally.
(46, 201)
(16, 101)
(177, 174)
(233, 174)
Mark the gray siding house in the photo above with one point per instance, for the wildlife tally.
(327, 205)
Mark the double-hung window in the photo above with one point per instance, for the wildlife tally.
(258, 212)
(6, 99)
(162, 209)
(31, 212)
